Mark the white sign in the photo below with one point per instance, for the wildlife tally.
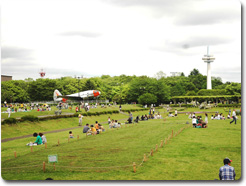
(52, 158)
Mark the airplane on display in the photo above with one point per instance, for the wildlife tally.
(57, 96)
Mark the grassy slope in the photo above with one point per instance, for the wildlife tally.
(53, 109)
(194, 154)
(25, 128)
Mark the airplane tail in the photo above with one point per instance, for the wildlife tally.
(57, 93)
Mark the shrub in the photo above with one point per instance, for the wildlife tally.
(29, 118)
(229, 105)
(9, 121)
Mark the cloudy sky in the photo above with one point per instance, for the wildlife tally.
(114, 37)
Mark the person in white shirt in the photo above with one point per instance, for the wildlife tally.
(8, 111)
(194, 122)
(234, 117)
(212, 117)
(176, 112)
(190, 116)
(206, 118)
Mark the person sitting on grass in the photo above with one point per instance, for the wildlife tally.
(146, 117)
(129, 120)
(227, 172)
(44, 140)
(228, 117)
(198, 119)
(111, 125)
(159, 116)
(136, 120)
(101, 127)
(96, 125)
(116, 124)
(109, 120)
(71, 134)
(38, 139)
(142, 118)
(170, 114)
(93, 130)
(203, 124)
(190, 116)
(212, 117)
(86, 128)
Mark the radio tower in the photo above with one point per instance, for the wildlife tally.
(208, 59)
(42, 73)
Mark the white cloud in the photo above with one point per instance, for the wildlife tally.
(119, 37)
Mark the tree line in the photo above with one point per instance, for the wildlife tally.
(121, 89)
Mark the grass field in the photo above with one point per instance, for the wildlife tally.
(194, 154)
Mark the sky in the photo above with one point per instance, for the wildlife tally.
(112, 37)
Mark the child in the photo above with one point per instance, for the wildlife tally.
(93, 130)
(44, 140)
(194, 121)
(38, 139)
(71, 134)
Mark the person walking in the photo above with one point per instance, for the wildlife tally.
(80, 119)
(234, 117)
(8, 111)
(227, 172)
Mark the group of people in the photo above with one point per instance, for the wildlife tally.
(113, 123)
(93, 129)
(24, 108)
(40, 139)
(218, 116)
(197, 121)
(175, 113)
(151, 116)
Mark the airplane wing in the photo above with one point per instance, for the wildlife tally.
(70, 97)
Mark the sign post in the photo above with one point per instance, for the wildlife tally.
(53, 159)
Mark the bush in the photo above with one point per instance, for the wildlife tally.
(9, 121)
(229, 105)
(29, 118)
(182, 105)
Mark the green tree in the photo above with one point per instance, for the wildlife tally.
(177, 90)
(147, 98)
(90, 85)
(198, 79)
(233, 89)
(191, 93)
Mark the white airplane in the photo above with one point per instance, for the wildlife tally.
(76, 96)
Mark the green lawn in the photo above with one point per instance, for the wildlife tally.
(194, 154)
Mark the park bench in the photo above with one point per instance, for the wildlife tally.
(58, 112)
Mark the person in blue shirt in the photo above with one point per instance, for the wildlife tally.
(227, 172)
(38, 139)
